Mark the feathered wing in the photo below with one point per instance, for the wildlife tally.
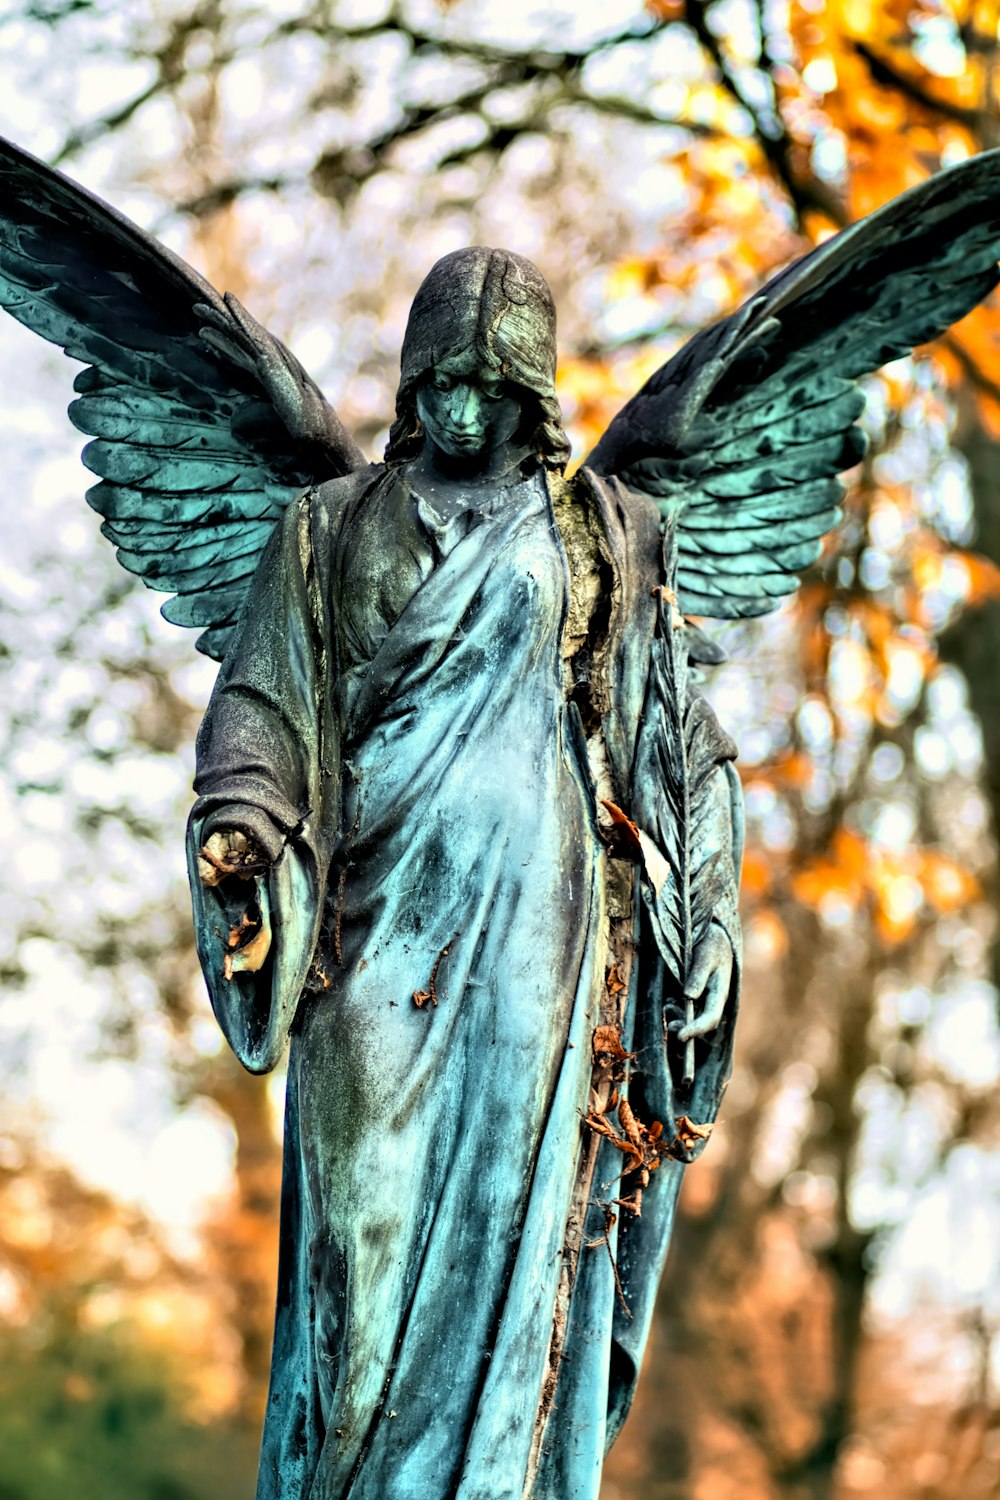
(204, 425)
(743, 433)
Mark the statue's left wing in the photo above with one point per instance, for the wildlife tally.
(205, 426)
(742, 434)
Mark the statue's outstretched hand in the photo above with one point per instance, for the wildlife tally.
(229, 852)
(708, 983)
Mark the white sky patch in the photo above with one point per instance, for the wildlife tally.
(938, 46)
(189, 1166)
(963, 1036)
(820, 75)
(949, 1246)
(114, 1121)
(557, 26)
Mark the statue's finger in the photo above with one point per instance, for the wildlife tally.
(701, 968)
(245, 320)
(717, 993)
(223, 344)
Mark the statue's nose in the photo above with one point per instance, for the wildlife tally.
(466, 408)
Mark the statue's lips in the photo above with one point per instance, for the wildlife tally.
(462, 439)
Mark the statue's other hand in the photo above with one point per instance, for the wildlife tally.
(227, 852)
(709, 982)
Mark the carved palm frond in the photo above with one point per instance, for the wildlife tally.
(681, 745)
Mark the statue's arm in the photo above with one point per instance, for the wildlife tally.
(256, 847)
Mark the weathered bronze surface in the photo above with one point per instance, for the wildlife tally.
(466, 832)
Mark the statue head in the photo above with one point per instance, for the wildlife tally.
(497, 307)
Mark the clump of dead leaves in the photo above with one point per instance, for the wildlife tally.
(643, 1146)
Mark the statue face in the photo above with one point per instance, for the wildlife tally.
(466, 408)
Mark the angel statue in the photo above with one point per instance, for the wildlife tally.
(466, 834)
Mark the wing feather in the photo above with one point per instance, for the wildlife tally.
(119, 502)
(207, 607)
(169, 570)
(806, 500)
(717, 537)
(140, 536)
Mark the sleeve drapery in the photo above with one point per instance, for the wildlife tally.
(259, 770)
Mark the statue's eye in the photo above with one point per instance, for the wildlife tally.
(442, 382)
(492, 389)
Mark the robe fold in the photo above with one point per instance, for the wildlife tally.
(391, 726)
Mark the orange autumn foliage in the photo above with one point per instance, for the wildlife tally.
(897, 886)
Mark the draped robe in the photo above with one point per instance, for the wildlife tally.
(391, 725)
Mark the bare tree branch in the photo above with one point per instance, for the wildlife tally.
(339, 173)
(774, 140)
(887, 76)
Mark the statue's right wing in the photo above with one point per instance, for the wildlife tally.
(741, 436)
(205, 426)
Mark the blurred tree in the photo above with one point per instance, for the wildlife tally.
(96, 1413)
(113, 1363)
(658, 161)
